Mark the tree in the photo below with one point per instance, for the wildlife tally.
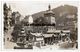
(16, 31)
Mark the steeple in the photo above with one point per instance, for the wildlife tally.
(49, 11)
(49, 7)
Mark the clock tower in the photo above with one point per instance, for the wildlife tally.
(50, 18)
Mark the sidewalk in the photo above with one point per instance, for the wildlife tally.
(7, 43)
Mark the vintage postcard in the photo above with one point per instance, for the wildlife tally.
(40, 25)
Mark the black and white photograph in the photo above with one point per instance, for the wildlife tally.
(40, 25)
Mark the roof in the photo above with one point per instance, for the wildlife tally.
(47, 35)
(49, 12)
(58, 31)
(66, 31)
(63, 34)
(54, 31)
(37, 34)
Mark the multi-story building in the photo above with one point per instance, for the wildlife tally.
(48, 29)
(16, 17)
(48, 34)
(7, 16)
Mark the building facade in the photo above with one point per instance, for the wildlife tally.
(7, 17)
(45, 33)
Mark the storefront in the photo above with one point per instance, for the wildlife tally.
(48, 38)
(38, 39)
(56, 36)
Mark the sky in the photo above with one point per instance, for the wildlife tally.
(31, 7)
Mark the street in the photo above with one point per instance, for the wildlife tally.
(7, 43)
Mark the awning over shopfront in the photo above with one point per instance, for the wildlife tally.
(58, 31)
(47, 35)
(37, 34)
